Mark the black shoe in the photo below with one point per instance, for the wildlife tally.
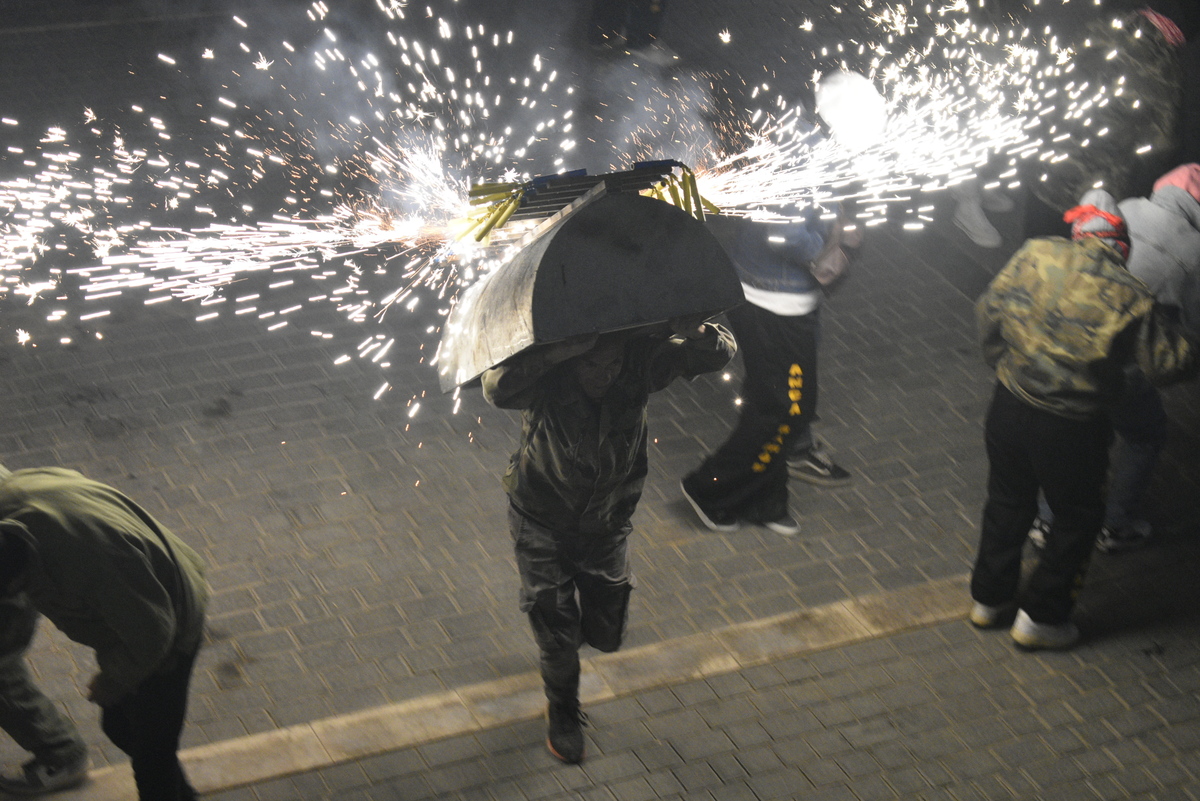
(564, 732)
(37, 778)
(715, 522)
(1127, 538)
(816, 467)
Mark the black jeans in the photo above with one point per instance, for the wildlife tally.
(146, 725)
(575, 589)
(1028, 449)
(746, 478)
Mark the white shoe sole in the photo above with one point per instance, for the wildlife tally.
(705, 519)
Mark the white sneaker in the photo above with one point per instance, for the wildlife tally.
(989, 617)
(970, 219)
(997, 202)
(1031, 636)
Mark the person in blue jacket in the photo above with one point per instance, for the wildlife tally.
(745, 480)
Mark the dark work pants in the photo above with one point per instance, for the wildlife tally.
(575, 589)
(1068, 459)
(746, 478)
(146, 725)
(26, 714)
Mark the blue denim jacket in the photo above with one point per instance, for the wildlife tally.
(772, 256)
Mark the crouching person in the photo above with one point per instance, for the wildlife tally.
(111, 578)
(574, 483)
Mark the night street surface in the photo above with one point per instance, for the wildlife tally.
(359, 555)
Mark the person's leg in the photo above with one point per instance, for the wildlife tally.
(26, 714)
(746, 478)
(548, 599)
(969, 216)
(808, 460)
(1011, 502)
(147, 724)
(1071, 460)
(604, 588)
(1141, 423)
(807, 335)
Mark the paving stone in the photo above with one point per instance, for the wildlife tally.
(342, 582)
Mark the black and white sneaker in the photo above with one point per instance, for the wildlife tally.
(817, 467)
(1126, 538)
(786, 525)
(713, 522)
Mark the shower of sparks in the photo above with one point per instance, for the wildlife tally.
(307, 202)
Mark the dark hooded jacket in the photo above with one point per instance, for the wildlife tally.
(105, 572)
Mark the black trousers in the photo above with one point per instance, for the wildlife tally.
(746, 478)
(146, 725)
(575, 589)
(1028, 449)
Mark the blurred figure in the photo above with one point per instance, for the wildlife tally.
(1061, 324)
(29, 717)
(112, 578)
(1138, 50)
(573, 486)
(970, 204)
(1164, 232)
(630, 25)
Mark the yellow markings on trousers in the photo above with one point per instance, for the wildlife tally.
(795, 387)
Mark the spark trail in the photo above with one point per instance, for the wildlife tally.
(347, 189)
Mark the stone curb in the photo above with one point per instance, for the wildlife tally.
(344, 738)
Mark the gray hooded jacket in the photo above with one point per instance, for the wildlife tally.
(1164, 234)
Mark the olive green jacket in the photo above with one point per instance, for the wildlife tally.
(1064, 321)
(581, 464)
(105, 572)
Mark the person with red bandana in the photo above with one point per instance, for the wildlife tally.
(1062, 325)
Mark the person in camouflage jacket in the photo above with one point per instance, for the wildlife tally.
(1061, 324)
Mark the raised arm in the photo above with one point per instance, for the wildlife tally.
(695, 349)
(510, 385)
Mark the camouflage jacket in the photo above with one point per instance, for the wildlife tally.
(581, 464)
(1064, 322)
(1109, 142)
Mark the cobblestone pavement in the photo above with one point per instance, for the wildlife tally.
(359, 555)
